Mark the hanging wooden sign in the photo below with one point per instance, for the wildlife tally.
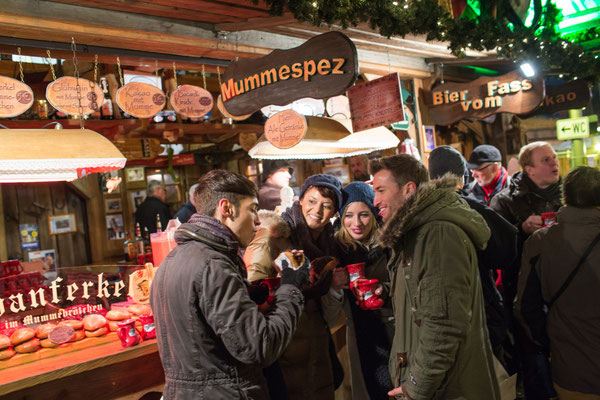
(141, 100)
(15, 97)
(512, 93)
(191, 101)
(227, 114)
(62, 94)
(323, 66)
(139, 149)
(376, 103)
(571, 95)
(285, 129)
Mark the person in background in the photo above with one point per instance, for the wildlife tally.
(369, 333)
(489, 174)
(565, 324)
(533, 191)
(154, 204)
(500, 252)
(276, 175)
(212, 338)
(307, 364)
(188, 208)
(359, 168)
(441, 348)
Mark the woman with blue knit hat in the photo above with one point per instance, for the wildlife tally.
(370, 326)
(306, 364)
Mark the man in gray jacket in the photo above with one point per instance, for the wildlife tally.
(213, 341)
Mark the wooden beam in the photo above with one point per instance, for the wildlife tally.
(152, 9)
(384, 69)
(248, 3)
(256, 23)
(240, 11)
(27, 27)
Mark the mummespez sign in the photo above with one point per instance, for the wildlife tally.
(512, 93)
(324, 66)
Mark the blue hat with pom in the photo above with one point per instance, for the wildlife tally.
(359, 191)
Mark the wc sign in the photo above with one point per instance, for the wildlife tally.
(572, 128)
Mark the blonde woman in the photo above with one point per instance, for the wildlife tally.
(370, 331)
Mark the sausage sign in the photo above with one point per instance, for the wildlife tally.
(324, 66)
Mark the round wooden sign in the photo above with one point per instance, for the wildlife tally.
(285, 129)
(191, 101)
(15, 97)
(141, 100)
(62, 94)
(226, 113)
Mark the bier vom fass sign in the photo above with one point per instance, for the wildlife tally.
(324, 66)
(512, 93)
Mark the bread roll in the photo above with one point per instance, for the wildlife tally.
(117, 315)
(73, 323)
(22, 335)
(97, 332)
(139, 309)
(78, 335)
(113, 326)
(4, 342)
(6, 354)
(93, 322)
(42, 331)
(28, 347)
(296, 261)
(47, 343)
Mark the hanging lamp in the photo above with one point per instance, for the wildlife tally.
(328, 138)
(48, 155)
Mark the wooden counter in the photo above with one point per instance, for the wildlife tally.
(106, 371)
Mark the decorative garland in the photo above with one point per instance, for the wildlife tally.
(496, 28)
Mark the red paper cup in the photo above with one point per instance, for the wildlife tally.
(356, 271)
(548, 218)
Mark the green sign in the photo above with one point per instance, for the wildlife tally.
(572, 128)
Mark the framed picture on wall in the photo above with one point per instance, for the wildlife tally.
(115, 227)
(135, 174)
(48, 257)
(135, 199)
(342, 172)
(113, 205)
(64, 223)
(428, 138)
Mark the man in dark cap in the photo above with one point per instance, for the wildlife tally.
(276, 175)
(489, 174)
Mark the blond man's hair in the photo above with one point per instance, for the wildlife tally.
(526, 153)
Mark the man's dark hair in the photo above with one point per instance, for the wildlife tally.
(404, 168)
(582, 187)
(220, 184)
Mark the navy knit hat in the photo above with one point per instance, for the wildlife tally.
(444, 159)
(327, 181)
(359, 191)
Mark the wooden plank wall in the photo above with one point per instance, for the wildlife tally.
(33, 203)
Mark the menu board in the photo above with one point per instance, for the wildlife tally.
(141, 100)
(191, 101)
(63, 95)
(15, 97)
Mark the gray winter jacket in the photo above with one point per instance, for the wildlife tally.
(212, 339)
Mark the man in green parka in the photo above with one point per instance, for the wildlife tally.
(441, 348)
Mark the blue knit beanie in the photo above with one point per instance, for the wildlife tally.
(359, 191)
(327, 181)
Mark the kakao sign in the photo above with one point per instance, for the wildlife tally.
(512, 93)
(324, 66)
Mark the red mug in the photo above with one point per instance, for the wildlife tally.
(370, 300)
(127, 333)
(273, 284)
(356, 271)
(148, 329)
(548, 218)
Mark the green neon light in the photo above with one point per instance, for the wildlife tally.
(481, 71)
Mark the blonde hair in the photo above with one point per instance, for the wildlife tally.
(526, 153)
(344, 238)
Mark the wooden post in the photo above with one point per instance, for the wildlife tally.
(3, 252)
(417, 85)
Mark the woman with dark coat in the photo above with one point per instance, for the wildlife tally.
(369, 332)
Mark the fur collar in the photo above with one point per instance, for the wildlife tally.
(273, 222)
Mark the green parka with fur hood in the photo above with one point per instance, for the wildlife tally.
(441, 348)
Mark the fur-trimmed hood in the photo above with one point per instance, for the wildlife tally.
(273, 222)
(435, 201)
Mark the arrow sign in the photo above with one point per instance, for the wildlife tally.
(572, 128)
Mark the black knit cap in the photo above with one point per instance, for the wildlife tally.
(270, 166)
(444, 159)
(482, 154)
(327, 181)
